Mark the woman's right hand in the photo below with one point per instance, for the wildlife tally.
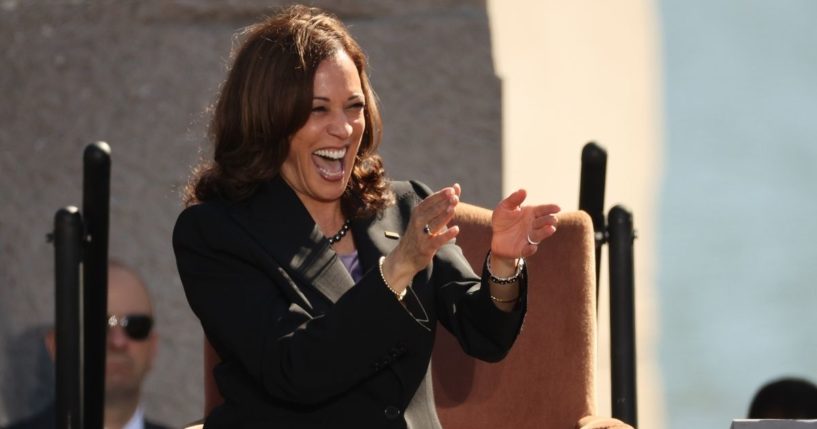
(427, 231)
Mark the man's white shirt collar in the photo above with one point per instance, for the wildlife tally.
(137, 420)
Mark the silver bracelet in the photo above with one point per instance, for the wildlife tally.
(503, 280)
(399, 295)
(504, 301)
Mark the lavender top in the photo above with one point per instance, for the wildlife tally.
(352, 264)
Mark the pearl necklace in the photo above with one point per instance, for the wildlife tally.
(340, 234)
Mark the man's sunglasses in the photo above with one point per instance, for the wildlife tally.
(136, 326)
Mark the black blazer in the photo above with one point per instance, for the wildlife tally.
(301, 344)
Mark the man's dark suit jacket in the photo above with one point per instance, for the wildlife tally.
(47, 419)
(301, 344)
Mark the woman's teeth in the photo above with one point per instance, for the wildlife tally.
(333, 154)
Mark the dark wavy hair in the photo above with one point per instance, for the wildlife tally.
(267, 98)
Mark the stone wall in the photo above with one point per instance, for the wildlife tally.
(140, 75)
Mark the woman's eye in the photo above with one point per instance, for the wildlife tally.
(319, 109)
(357, 106)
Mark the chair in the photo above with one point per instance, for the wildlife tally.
(547, 379)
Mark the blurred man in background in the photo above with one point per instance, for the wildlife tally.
(131, 347)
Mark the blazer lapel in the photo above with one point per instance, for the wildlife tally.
(376, 237)
(280, 223)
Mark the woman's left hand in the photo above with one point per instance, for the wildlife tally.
(518, 229)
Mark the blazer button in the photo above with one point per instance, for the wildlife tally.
(392, 412)
(395, 352)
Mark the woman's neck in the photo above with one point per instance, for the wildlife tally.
(328, 216)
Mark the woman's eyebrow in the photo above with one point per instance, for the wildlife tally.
(351, 97)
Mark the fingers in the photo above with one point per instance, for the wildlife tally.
(441, 200)
(537, 235)
(546, 209)
(437, 224)
(518, 229)
(437, 236)
(426, 232)
(544, 222)
(437, 209)
(457, 189)
(444, 236)
(431, 242)
(514, 200)
(544, 218)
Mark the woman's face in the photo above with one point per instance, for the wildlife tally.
(322, 153)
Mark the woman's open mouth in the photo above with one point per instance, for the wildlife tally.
(330, 163)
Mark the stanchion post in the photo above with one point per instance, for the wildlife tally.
(622, 315)
(68, 237)
(96, 188)
(591, 196)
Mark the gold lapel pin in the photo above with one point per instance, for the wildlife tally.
(391, 234)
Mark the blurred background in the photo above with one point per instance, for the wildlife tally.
(707, 111)
(737, 213)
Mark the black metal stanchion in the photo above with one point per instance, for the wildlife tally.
(68, 238)
(591, 196)
(82, 301)
(622, 315)
(96, 186)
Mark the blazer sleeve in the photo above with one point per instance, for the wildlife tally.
(293, 354)
(464, 305)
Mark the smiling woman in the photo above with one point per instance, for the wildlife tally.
(297, 74)
(318, 328)
(323, 151)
